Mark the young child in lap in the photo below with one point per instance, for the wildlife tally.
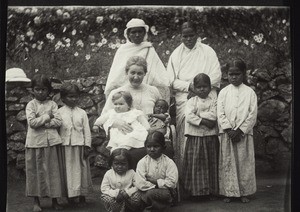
(123, 110)
(119, 193)
(156, 175)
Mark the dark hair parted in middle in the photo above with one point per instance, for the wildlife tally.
(126, 96)
(189, 24)
(123, 152)
(41, 79)
(68, 88)
(136, 60)
(156, 136)
(239, 64)
(202, 77)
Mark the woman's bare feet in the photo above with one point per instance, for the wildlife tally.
(245, 200)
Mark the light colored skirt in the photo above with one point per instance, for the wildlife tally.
(44, 172)
(77, 171)
(236, 166)
(201, 165)
(133, 203)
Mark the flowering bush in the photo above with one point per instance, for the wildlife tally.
(72, 42)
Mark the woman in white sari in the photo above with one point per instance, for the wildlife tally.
(190, 58)
(137, 45)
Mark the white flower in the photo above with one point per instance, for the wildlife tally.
(50, 36)
(229, 50)
(36, 70)
(76, 54)
(34, 10)
(283, 21)
(113, 46)
(27, 11)
(79, 43)
(167, 52)
(33, 45)
(22, 37)
(74, 32)
(123, 41)
(260, 35)
(39, 47)
(68, 40)
(118, 45)
(200, 9)
(115, 30)
(99, 19)
(88, 56)
(93, 44)
(284, 38)
(225, 36)
(246, 42)
(37, 20)
(59, 12)
(112, 16)
(68, 45)
(104, 41)
(83, 22)
(99, 44)
(257, 38)
(252, 46)
(30, 33)
(234, 33)
(66, 15)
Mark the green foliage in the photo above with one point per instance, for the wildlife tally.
(72, 42)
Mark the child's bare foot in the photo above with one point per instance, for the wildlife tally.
(37, 208)
(227, 200)
(245, 200)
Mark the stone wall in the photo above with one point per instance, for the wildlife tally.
(272, 133)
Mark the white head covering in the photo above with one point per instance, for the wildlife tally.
(16, 75)
(136, 22)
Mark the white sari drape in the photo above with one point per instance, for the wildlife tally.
(156, 72)
(184, 64)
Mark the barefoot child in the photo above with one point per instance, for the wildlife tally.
(42, 153)
(76, 141)
(156, 174)
(123, 110)
(119, 193)
(237, 112)
(202, 144)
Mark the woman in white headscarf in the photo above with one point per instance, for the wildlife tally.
(137, 45)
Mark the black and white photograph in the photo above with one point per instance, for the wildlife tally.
(140, 108)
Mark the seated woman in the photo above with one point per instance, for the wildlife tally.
(144, 98)
(137, 45)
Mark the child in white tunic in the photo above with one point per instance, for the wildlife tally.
(118, 189)
(123, 110)
(237, 112)
(76, 141)
(156, 174)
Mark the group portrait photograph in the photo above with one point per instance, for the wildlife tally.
(139, 108)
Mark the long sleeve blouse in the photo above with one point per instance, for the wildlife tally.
(197, 109)
(237, 108)
(163, 169)
(75, 128)
(112, 183)
(42, 130)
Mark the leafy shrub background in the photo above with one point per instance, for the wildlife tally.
(72, 42)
